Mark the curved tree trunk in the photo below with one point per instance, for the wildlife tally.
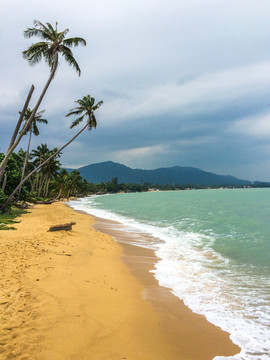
(36, 181)
(41, 183)
(4, 182)
(40, 166)
(29, 122)
(47, 187)
(25, 161)
(5, 160)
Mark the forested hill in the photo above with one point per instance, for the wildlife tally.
(105, 171)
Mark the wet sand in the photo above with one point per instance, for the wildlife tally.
(67, 295)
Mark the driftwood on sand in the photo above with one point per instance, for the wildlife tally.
(67, 226)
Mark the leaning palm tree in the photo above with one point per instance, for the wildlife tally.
(38, 156)
(66, 184)
(33, 129)
(86, 108)
(74, 184)
(52, 45)
(48, 171)
(61, 184)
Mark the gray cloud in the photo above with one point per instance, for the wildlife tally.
(183, 83)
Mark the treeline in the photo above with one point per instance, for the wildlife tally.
(49, 183)
(113, 187)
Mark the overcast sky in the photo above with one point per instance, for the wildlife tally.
(184, 82)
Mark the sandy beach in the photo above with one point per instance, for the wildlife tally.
(80, 295)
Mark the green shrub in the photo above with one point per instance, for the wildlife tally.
(3, 197)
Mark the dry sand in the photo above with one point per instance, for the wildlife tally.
(66, 295)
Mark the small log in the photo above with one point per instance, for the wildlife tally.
(67, 226)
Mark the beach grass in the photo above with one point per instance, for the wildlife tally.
(11, 217)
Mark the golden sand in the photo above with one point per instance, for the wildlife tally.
(66, 295)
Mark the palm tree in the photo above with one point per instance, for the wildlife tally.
(43, 175)
(61, 184)
(67, 184)
(12, 171)
(86, 108)
(74, 183)
(48, 171)
(52, 45)
(38, 156)
(33, 129)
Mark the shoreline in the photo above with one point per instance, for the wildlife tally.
(177, 320)
(67, 295)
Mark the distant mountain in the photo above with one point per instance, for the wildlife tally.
(105, 171)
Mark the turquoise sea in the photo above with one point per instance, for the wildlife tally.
(213, 249)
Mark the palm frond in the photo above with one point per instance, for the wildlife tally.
(42, 121)
(40, 113)
(92, 101)
(35, 129)
(47, 32)
(52, 30)
(68, 55)
(76, 41)
(76, 122)
(62, 34)
(39, 30)
(35, 58)
(83, 102)
(42, 45)
(40, 25)
(87, 107)
(75, 111)
(35, 52)
(37, 119)
(98, 105)
(29, 32)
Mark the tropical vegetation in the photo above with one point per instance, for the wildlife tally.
(33, 129)
(37, 175)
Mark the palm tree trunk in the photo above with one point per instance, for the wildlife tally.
(32, 185)
(40, 166)
(42, 180)
(29, 122)
(46, 180)
(47, 187)
(5, 160)
(21, 116)
(59, 194)
(25, 161)
(38, 177)
(36, 182)
(4, 182)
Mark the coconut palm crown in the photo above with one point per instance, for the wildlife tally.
(86, 107)
(37, 119)
(53, 43)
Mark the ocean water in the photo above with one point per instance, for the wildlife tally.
(214, 253)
